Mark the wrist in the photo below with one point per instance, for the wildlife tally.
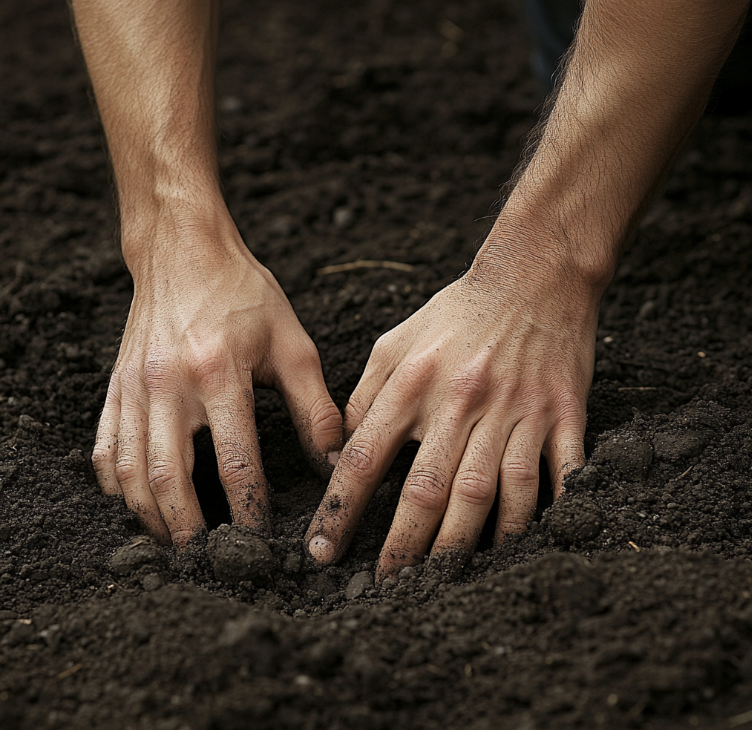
(192, 235)
(540, 249)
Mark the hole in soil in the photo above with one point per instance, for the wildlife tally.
(545, 490)
(211, 495)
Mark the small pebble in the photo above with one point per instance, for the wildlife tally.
(230, 104)
(72, 352)
(343, 217)
(282, 226)
(407, 573)
(27, 423)
(358, 585)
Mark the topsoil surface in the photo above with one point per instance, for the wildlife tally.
(377, 130)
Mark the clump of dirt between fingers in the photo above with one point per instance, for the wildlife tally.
(373, 131)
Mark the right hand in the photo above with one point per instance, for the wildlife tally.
(208, 323)
(489, 375)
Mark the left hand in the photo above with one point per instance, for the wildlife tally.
(491, 373)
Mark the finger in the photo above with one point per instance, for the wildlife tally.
(170, 463)
(132, 473)
(473, 490)
(362, 465)
(314, 414)
(423, 501)
(232, 422)
(104, 455)
(378, 369)
(518, 478)
(565, 452)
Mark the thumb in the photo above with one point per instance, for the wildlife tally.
(314, 414)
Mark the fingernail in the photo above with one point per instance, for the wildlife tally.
(333, 457)
(321, 550)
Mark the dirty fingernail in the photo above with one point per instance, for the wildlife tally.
(333, 457)
(321, 549)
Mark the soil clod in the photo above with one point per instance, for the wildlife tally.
(573, 521)
(358, 585)
(678, 446)
(237, 555)
(152, 581)
(630, 456)
(139, 552)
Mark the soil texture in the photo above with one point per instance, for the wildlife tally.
(370, 131)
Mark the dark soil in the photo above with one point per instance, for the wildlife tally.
(370, 131)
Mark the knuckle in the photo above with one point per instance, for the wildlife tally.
(475, 489)
(469, 385)
(325, 416)
(570, 410)
(159, 372)
(507, 390)
(383, 345)
(308, 354)
(298, 354)
(425, 489)
(235, 469)
(419, 368)
(519, 471)
(511, 526)
(102, 457)
(359, 457)
(126, 469)
(209, 366)
(208, 360)
(354, 410)
(427, 361)
(164, 478)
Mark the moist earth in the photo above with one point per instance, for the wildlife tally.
(350, 132)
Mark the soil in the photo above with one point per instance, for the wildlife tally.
(354, 131)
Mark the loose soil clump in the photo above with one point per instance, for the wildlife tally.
(370, 132)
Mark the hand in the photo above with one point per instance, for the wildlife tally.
(207, 324)
(489, 374)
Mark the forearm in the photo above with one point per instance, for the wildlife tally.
(637, 80)
(152, 68)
